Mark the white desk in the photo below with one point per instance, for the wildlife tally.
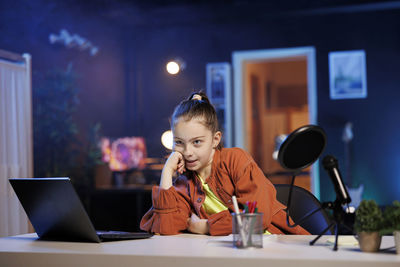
(190, 251)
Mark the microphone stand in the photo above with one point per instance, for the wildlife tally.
(337, 208)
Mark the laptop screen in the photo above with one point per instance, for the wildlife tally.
(54, 209)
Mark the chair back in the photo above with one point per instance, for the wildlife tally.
(303, 202)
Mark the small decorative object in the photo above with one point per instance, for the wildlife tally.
(124, 154)
(368, 223)
(391, 223)
(73, 41)
(347, 74)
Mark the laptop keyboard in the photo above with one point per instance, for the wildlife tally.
(120, 235)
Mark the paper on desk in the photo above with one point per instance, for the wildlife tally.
(344, 240)
(228, 240)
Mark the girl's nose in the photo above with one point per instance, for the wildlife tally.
(187, 152)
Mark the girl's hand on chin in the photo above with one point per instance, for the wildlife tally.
(175, 163)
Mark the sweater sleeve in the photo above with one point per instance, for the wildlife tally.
(220, 223)
(169, 213)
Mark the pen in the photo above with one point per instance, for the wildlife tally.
(239, 220)
(246, 207)
(253, 206)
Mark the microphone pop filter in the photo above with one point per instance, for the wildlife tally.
(302, 147)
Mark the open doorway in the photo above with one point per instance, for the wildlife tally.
(274, 94)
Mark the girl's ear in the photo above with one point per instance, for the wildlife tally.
(217, 139)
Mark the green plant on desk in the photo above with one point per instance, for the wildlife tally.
(391, 223)
(368, 223)
(391, 219)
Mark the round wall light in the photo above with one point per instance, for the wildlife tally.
(175, 66)
(166, 139)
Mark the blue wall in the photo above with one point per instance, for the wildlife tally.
(375, 161)
(26, 26)
(126, 88)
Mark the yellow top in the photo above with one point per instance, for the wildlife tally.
(211, 203)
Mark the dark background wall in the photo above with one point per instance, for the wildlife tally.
(126, 87)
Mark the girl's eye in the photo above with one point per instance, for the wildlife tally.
(197, 142)
(178, 142)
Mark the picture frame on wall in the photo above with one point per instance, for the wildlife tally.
(218, 82)
(347, 74)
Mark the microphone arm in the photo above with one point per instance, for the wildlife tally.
(342, 197)
(330, 164)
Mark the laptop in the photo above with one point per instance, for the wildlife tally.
(56, 212)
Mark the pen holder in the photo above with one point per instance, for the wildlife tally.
(247, 230)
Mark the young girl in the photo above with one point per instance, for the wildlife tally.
(199, 200)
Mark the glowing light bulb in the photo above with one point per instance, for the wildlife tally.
(173, 67)
(166, 139)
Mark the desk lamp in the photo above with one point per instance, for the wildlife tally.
(301, 149)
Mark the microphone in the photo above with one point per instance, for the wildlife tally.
(330, 164)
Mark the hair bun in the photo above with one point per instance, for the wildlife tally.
(199, 96)
(196, 97)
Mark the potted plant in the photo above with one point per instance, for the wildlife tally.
(367, 224)
(56, 143)
(391, 223)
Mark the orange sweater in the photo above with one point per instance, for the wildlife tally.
(234, 172)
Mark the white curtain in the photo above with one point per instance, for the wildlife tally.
(16, 144)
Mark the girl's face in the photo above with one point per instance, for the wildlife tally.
(196, 143)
